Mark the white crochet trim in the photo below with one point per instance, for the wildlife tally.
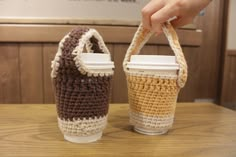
(144, 121)
(84, 40)
(85, 127)
(55, 63)
(89, 47)
(175, 46)
(134, 45)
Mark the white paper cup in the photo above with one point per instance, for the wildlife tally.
(83, 139)
(155, 65)
(97, 61)
(146, 131)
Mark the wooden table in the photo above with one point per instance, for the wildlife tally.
(200, 130)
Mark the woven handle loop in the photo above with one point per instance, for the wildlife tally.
(85, 41)
(142, 35)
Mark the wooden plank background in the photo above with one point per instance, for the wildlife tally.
(31, 77)
(228, 96)
(9, 74)
(30, 71)
(27, 50)
(49, 51)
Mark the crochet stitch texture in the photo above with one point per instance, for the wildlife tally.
(153, 96)
(82, 94)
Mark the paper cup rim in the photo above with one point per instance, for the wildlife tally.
(83, 139)
(153, 59)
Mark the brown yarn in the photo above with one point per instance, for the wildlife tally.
(78, 95)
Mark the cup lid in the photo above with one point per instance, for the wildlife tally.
(97, 61)
(153, 62)
(153, 59)
(153, 67)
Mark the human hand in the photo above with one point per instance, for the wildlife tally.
(157, 12)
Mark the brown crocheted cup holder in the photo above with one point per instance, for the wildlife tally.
(154, 83)
(82, 83)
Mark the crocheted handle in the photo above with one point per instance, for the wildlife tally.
(142, 35)
(85, 41)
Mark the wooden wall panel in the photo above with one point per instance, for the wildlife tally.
(34, 61)
(165, 50)
(111, 49)
(111, 34)
(9, 74)
(228, 96)
(149, 50)
(31, 69)
(210, 50)
(49, 51)
(191, 90)
(231, 90)
(225, 77)
(119, 90)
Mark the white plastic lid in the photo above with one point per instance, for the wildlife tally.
(158, 62)
(97, 61)
(154, 59)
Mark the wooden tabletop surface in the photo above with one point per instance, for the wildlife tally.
(200, 130)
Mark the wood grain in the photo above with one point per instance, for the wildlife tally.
(49, 51)
(207, 82)
(113, 34)
(31, 69)
(149, 50)
(231, 102)
(111, 50)
(199, 130)
(119, 87)
(189, 37)
(9, 74)
(77, 21)
(210, 49)
(228, 97)
(191, 89)
(165, 50)
(231, 52)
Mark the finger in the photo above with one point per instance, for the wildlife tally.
(152, 7)
(161, 16)
(158, 33)
(179, 22)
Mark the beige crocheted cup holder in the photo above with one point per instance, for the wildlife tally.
(161, 66)
(153, 83)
